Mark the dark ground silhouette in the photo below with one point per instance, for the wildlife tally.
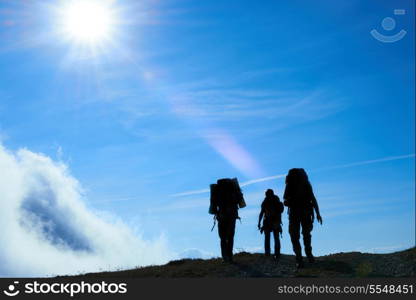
(350, 264)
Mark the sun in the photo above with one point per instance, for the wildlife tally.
(87, 21)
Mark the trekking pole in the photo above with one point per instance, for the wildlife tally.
(215, 221)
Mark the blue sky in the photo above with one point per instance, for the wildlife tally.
(187, 92)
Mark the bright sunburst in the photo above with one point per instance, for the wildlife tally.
(87, 21)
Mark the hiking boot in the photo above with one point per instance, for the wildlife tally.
(299, 262)
(226, 259)
(276, 257)
(309, 254)
(311, 259)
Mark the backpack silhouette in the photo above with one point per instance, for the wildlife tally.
(298, 191)
(272, 209)
(226, 197)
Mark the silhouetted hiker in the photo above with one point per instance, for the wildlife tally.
(226, 198)
(301, 201)
(271, 209)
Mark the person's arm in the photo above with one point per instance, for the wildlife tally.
(316, 207)
(213, 206)
(260, 217)
(286, 197)
(281, 207)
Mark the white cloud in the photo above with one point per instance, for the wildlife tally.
(195, 253)
(383, 249)
(252, 249)
(48, 230)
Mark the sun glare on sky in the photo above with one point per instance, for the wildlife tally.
(87, 21)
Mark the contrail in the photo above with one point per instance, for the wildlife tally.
(195, 192)
(245, 183)
(368, 162)
(253, 181)
(354, 164)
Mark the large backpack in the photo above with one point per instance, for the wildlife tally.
(298, 191)
(273, 209)
(226, 197)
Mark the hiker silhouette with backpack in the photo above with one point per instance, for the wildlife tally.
(302, 204)
(271, 210)
(226, 198)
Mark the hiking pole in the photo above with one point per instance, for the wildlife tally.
(215, 221)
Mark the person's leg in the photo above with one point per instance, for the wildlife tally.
(276, 243)
(222, 234)
(294, 231)
(307, 226)
(230, 237)
(266, 242)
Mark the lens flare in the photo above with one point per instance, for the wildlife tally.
(87, 21)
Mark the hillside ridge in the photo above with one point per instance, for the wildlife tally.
(343, 264)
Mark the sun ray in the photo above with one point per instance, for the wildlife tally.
(87, 22)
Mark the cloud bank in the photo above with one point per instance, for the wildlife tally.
(48, 230)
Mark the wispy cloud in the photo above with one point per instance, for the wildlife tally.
(242, 104)
(232, 151)
(215, 112)
(268, 178)
(368, 162)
